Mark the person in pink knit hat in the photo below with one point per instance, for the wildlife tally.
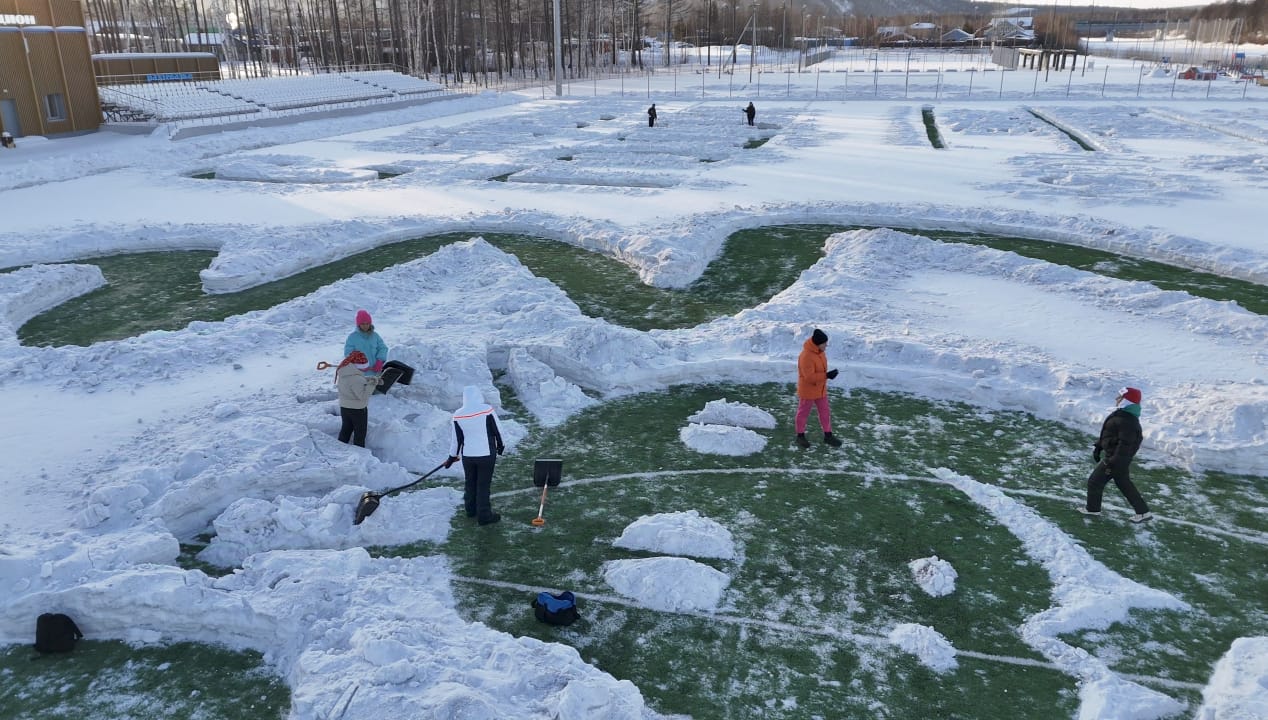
(365, 339)
(1117, 444)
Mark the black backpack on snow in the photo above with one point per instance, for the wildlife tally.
(558, 609)
(56, 633)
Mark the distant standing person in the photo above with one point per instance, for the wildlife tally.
(812, 388)
(6, 140)
(355, 389)
(365, 339)
(476, 437)
(651, 116)
(1113, 452)
(751, 112)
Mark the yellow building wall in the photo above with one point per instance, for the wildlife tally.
(44, 51)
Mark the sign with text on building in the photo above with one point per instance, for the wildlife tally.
(17, 19)
(167, 77)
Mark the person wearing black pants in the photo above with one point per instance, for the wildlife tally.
(356, 423)
(1113, 452)
(355, 389)
(651, 116)
(476, 437)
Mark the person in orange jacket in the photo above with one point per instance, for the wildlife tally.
(812, 388)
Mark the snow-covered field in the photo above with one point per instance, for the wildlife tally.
(113, 453)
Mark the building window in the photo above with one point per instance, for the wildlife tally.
(56, 106)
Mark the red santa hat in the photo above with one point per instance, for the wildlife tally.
(1130, 394)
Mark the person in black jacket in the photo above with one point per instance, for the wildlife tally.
(750, 112)
(1113, 452)
(651, 116)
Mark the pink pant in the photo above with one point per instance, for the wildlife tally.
(803, 414)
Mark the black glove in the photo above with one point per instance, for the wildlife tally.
(1096, 454)
(500, 447)
(832, 374)
(452, 459)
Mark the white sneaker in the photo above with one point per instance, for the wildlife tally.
(1142, 517)
(1083, 509)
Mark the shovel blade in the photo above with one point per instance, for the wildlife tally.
(365, 508)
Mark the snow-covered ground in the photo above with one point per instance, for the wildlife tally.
(112, 453)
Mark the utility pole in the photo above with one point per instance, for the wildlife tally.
(752, 51)
(783, 33)
(802, 55)
(559, 53)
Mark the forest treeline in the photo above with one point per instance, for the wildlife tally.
(468, 39)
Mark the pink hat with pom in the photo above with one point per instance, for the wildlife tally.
(363, 318)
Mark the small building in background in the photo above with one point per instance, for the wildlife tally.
(46, 76)
(129, 68)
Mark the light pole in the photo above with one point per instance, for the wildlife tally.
(752, 50)
(802, 57)
(783, 33)
(559, 54)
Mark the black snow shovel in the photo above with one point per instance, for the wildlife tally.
(370, 500)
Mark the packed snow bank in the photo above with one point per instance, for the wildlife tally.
(351, 634)
(679, 533)
(251, 526)
(952, 343)
(1238, 689)
(550, 398)
(288, 169)
(29, 291)
(1088, 595)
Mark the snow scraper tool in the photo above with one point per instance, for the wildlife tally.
(370, 500)
(546, 474)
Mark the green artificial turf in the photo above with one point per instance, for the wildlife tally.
(821, 574)
(163, 291)
(114, 680)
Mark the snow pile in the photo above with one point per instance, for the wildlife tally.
(1238, 689)
(667, 583)
(678, 533)
(352, 634)
(550, 398)
(251, 526)
(928, 645)
(29, 291)
(721, 439)
(288, 169)
(722, 412)
(935, 576)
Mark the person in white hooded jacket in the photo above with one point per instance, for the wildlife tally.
(476, 437)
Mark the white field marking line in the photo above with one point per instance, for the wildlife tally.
(1243, 535)
(860, 638)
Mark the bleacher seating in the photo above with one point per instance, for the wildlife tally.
(394, 81)
(259, 97)
(174, 101)
(284, 93)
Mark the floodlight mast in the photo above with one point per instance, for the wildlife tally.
(559, 54)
